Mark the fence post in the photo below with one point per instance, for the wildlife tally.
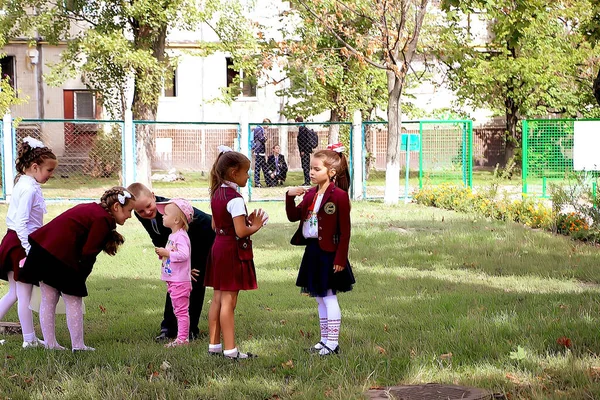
(245, 149)
(128, 149)
(7, 151)
(357, 157)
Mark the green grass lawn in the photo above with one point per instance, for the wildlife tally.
(440, 297)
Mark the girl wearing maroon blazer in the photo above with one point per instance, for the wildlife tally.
(324, 215)
(230, 267)
(63, 253)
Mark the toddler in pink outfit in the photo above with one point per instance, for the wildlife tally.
(176, 263)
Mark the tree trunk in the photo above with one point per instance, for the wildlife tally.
(597, 87)
(392, 173)
(145, 98)
(334, 129)
(512, 120)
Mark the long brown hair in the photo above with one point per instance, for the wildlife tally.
(224, 164)
(339, 163)
(108, 199)
(27, 156)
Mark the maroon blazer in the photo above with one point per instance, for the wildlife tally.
(333, 219)
(77, 235)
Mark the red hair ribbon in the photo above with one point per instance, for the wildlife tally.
(337, 147)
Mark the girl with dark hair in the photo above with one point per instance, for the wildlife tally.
(230, 267)
(63, 253)
(35, 165)
(324, 215)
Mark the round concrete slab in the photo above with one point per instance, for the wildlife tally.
(430, 391)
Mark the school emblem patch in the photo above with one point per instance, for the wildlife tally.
(329, 208)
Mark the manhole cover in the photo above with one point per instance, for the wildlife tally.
(431, 391)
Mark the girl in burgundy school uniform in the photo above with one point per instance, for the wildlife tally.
(63, 253)
(230, 267)
(324, 215)
(35, 164)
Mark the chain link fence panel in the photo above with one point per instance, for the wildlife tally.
(89, 153)
(184, 153)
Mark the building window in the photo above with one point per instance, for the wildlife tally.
(85, 105)
(7, 64)
(171, 89)
(247, 84)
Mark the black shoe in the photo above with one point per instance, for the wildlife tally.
(258, 185)
(163, 337)
(329, 352)
(313, 349)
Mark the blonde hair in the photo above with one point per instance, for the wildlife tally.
(139, 189)
(182, 217)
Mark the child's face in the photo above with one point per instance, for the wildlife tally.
(319, 174)
(240, 175)
(145, 206)
(172, 216)
(44, 171)
(122, 213)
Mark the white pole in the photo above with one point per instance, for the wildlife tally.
(245, 148)
(130, 147)
(7, 149)
(357, 156)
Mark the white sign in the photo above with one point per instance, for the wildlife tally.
(586, 146)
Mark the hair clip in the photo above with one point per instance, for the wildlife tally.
(33, 143)
(123, 197)
(224, 149)
(337, 147)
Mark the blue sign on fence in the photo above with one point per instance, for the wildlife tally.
(413, 142)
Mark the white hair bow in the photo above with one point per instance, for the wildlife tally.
(33, 143)
(123, 197)
(224, 149)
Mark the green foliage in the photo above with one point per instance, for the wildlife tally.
(533, 62)
(105, 155)
(527, 211)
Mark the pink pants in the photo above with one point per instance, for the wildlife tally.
(180, 297)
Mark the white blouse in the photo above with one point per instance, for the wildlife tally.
(310, 228)
(26, 210)
(235, 206)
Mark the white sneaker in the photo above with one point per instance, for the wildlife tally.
(84, 348)
(34, 343)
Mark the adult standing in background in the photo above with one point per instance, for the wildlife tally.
(306, 144)
(258, 148)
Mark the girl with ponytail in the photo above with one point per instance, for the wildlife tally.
(62, 256)
(324, 228)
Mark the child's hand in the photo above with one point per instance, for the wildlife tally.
(161, 252)
(296, 191)
(338, 268)
(195, 273)
(257, 218)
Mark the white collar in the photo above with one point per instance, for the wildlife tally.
(29, 180)
(230, 184)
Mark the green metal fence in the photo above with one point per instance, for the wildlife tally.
(547, 155)
(446, 153)
(431, 152)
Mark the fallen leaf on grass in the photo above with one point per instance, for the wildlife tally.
(564, 341)
(165, 365)
(447, 356)
(153, 375)
(380, 350)
(283, 322)
(267, 308)
(513, 378)
(102, 309)
(385, 328)
(289, 364)
(594, 373)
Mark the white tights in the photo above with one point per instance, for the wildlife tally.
(330, 318)
(22, 292)
(74, 308)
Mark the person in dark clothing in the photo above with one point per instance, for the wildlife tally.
(201, 237)
(305, 147)
(258, 148)
(276, 168)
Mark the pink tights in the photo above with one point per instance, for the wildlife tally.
(22, 292)
(74, 307)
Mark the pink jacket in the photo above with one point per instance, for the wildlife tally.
(177, 267)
